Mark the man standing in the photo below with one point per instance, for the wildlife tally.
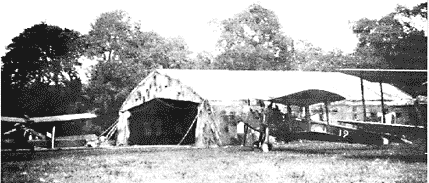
(266, 116)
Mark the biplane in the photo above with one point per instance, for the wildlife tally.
(24, 136)
(365, 132)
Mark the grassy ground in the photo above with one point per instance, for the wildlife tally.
(293, 162)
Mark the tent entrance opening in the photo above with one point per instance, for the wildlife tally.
(162, 122)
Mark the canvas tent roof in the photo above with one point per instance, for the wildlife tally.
(263, 85)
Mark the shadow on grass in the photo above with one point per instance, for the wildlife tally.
(402, 158)
(18, 156)
(320, 150)
(402, 152)
(360, 153)
(363, 148)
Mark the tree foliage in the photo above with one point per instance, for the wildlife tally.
(44, 100)
(397, 40)
(125, 56)
(252, 40)
(114, 37)
(308, 57)
(38, 71)
(394, 40)
(203, 60)
(43, 53)
(109, 35)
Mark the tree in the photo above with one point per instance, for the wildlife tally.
(111, 32)
(125, 56)
(414, 20)
(393, 41)
(203, 60)
(43, 53)
(176, 52)
(38, 71)
(252, 40)
(307, 56)
(114, 37)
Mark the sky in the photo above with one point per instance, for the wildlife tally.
(323, 23)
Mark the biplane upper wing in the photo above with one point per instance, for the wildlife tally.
(67, 117)
(13, 119)
(413, 82)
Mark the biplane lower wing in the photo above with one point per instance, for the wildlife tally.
(360, 135)
(317, 130)
(390, 129)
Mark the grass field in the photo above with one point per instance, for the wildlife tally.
(307, 161)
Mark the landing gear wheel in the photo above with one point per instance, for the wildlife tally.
(270, 146)
(265, 146)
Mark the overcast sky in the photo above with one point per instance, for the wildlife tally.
(323, 23)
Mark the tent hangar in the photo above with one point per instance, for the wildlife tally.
(173, 106)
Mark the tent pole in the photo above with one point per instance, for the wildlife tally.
(53, 138)
(267, 135)
(382, 103)
(363, 99)
(327, 112)
(307, 112)
(289, 113)
(307, 116)
(246, 128)
(418, 114)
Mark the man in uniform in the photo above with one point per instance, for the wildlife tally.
(265, 118)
